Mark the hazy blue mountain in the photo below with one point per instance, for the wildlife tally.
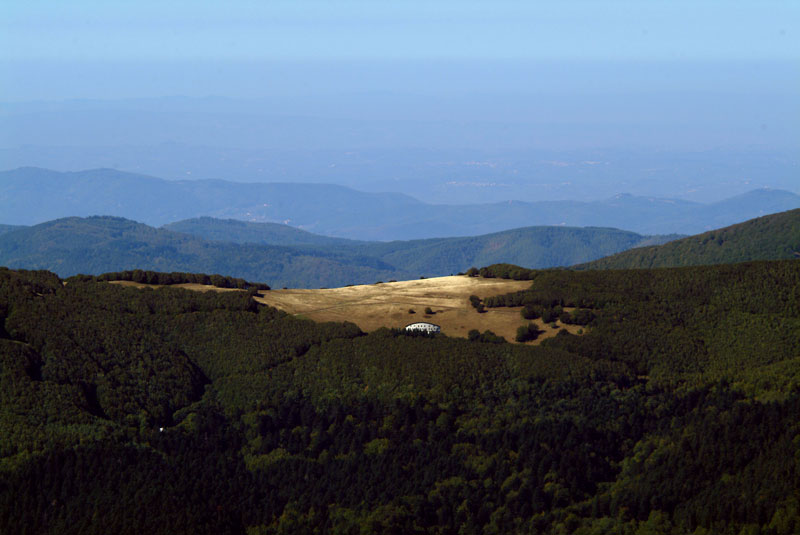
(31, 195)
(454, 176)
(772, 237)
(237, 231)
(454, 146)
(9, 228)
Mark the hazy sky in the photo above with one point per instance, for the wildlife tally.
(53, 49)
(448, 29)
(303, 29)
(694, 73)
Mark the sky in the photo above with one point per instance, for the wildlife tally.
(664, 74)
(81, 30)
(53, 49)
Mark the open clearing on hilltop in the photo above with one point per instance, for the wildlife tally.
(387, 305)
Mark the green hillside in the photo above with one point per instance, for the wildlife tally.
(235, 231)
(129, 410)
(98, 245)
(537, 247)
(283, 256)
(772, 237)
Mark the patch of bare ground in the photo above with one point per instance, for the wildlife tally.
(388, 305)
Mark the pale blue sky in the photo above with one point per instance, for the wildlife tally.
(697, 73)
(462, 29)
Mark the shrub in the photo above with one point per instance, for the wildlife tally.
(531, 312)
(549, 315)
(487, 337)
(582, 317)
(527, 333)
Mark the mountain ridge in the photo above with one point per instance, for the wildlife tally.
(102, 244)
(32, 195)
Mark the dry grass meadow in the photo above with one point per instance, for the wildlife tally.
(388, 304)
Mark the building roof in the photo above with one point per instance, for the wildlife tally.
(423, 326)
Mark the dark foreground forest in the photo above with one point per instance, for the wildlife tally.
(131, 410)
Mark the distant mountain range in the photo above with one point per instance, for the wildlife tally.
(32, 195)
(772, 237)
(282, 256)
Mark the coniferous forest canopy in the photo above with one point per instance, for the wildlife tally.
(129, 410)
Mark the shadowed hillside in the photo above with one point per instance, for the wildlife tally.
(771, 237)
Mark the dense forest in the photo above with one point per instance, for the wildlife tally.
(168, 279)
(772, 237)
(130, 410)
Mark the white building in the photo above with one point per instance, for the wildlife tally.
(423, 326)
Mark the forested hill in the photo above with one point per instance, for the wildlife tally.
(772, 237)
(101, 244)
(236, 231)
(537, 247)
(96, 245)
(8, 228)
(131, 411)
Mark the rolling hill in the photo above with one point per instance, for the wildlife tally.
(32, 195)
(96, 245)
(283, 256)
(237, 231)
(530, 246)
(772, 237)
